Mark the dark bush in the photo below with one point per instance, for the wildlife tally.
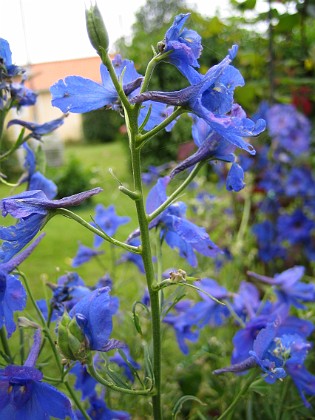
(101, 126)
(72, 179)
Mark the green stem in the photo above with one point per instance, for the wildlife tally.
(108, 63)
(282, 405)
(93, 372)
(78, 219)
(176, 193)
(53, 347)
(142, 138)
(242, 392)
(5, 344)
(132, 125)
(76, 400)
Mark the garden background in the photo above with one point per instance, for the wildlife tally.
(277, 59)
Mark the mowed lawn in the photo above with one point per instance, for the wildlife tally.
(52, 257)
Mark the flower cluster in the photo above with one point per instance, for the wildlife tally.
(285, 187)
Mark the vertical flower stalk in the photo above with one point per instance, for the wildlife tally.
(147, 261)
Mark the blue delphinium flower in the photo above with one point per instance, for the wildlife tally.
(296, 227)
(184, 326)
(78, 95)
(208, 311)
(7, 68)
(177, 231)
(38, 130)
(289, 128)
(267, 238)
(70, 288)
(303, 380)
(84, 254)
(213, 104)
(246, 301)
(235, 178)
(132, 257)
(272, 352)
(107, 220)
(93, 314)
(12, 293)
(128, 364)
(184, 45)
(84, 381)
(153, 173)
(23, 395)
(213, 145)
(288, 287)
(99, 411)
(35, 179)
(300, 182)
(32, 209)
(22, 96)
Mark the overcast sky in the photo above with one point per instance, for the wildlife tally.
(51, 30)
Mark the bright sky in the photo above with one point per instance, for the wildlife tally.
(52, 30)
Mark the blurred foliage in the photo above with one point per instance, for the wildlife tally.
(101, 126)
(276, 47)
(11, 166)
(72, 178)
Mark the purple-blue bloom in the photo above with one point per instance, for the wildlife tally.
(183, 325)
(184, 45)
(12, 293)
(107, 220)
(208, 311)
(7, 68)
(235, 178)
(84, 254)
(31, 208)
(295, 228)
(288, 287)
(289, 128)
(93, 314)
(36, 180)
(246, 301)
(100, 411)
(23, 395)
(177, 231)
(38, 130)
(69, 289)
(127, 365)
(273, 352)
(132, 257)
(78, 95)
(213, 145)
(84, 381)
(21, 95)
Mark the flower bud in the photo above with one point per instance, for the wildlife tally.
(96, 29)
(71, 340)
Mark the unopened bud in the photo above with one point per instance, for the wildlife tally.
(96, 29)
(27, 323)
(71, 340)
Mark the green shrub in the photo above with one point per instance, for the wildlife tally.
(72, 179)
(11, 166)
(101, 126)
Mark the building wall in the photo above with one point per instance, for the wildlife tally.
(41, 77)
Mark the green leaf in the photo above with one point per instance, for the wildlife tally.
(287, 22)
(179, 404)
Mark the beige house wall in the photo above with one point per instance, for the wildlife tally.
(41, 77)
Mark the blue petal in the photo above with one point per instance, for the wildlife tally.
(78, 95)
